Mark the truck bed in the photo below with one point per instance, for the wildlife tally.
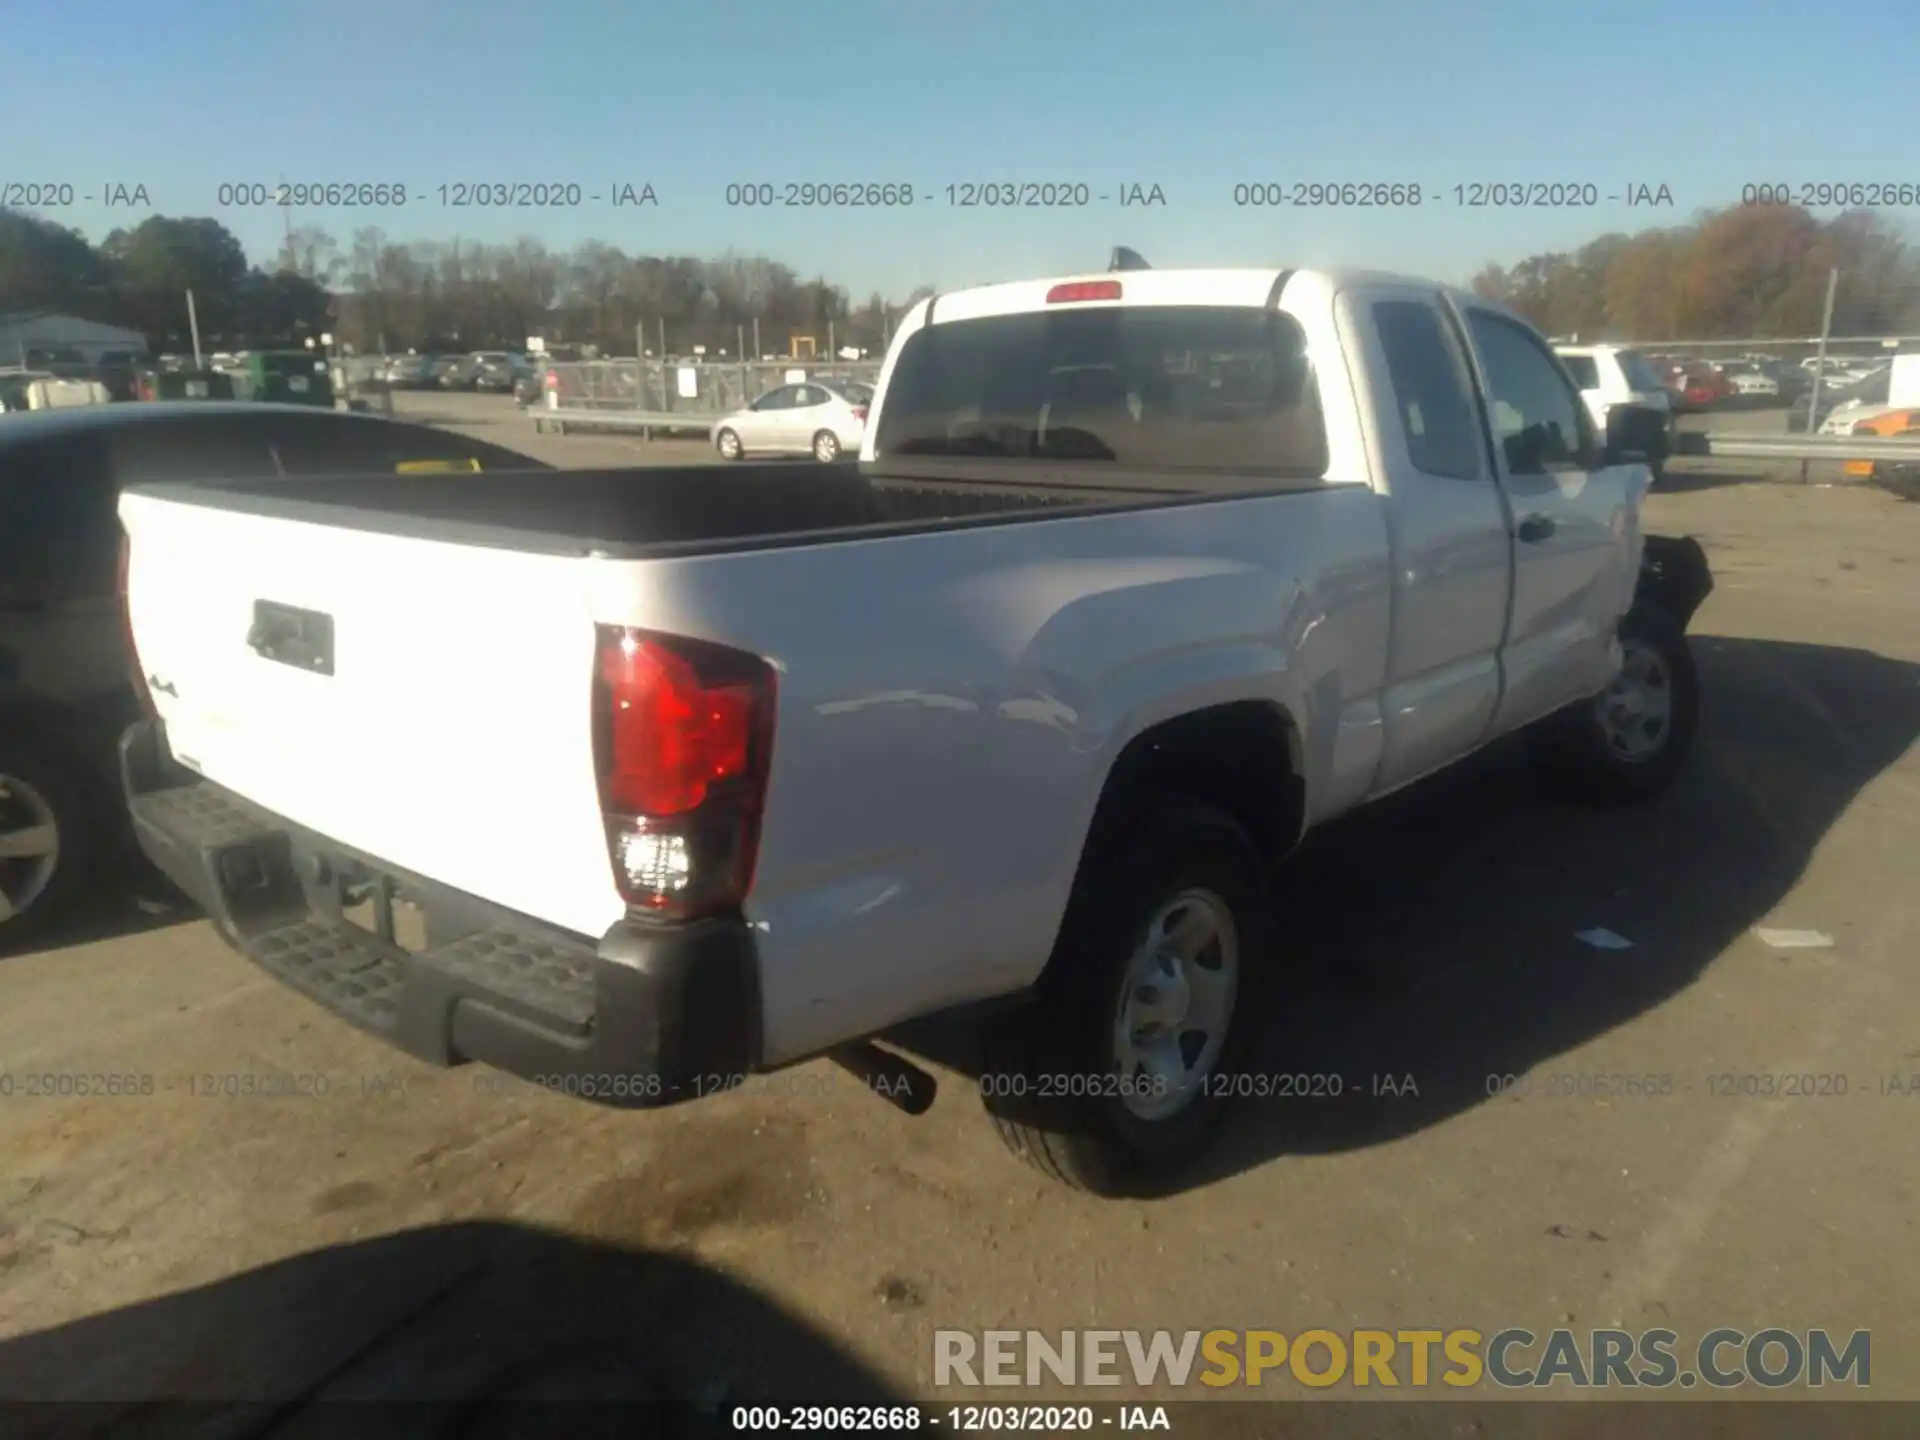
(628, 513)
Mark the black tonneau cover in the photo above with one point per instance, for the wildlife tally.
(705, 508)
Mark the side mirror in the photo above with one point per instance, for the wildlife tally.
(1634, 432)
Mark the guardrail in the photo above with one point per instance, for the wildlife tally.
(1797, 447)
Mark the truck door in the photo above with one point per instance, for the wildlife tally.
(1446, 525)
(1575, 549)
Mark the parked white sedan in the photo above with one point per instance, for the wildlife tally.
(825, 421)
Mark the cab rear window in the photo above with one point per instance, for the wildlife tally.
(1585, 373)
(1640, 375)
(1166, 388)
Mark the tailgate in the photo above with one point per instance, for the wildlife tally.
(426, 703)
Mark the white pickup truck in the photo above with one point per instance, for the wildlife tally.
(693, 773)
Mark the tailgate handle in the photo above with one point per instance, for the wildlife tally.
(291, 636)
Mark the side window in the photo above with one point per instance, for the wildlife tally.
(59, 530)
(780, 399)
(1586, 374)
(1430, 390)
(1538, 419)
(810, 395)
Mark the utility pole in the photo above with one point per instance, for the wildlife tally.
(1820, 362)
(193, 324)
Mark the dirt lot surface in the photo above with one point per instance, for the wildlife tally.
(411, 1230)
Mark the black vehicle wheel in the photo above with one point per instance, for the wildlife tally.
(826, 447)
(1900, 480)
(1630, 741)
(728, 444)
(1114, 1078)
(47, 839)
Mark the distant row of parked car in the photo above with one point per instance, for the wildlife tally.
(290, 377)
(1768, 380)
(497, 371)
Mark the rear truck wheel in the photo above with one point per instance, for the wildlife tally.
(1902, 480)
(46, 840)
(1631, 740)
(1114, 1077)
(826, 447)
(728, 445)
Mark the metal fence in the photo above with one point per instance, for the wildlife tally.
(693, 388)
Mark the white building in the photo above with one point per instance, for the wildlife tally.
(24, 332)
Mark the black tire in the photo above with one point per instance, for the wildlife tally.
(55, 785)
(1900, 480)
(1583, 759)
(826, 447)
(1163, 848)
(720, 444)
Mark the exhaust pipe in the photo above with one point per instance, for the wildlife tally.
(893, 1078)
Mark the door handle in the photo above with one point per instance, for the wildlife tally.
(1536, 528)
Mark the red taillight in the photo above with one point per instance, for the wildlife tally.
(860, 412)
(1083, 290)
(135, 670)
(553, 380)
(683, 732)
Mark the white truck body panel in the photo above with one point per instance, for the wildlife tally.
(407, 751)
(950, 701)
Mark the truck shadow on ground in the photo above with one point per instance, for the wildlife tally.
(1686, 481)
(473, 1330)
(1432, 935)
(127, 897)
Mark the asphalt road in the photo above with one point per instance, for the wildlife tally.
(801, 1235)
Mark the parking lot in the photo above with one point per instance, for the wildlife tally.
(200, 1237)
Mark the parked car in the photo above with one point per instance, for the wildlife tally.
(1902, 477)
(181, 384)
(285, 377)
(413, 372)
(67, 681)
(28, 389)
(1609, 375)
(1838, 410)
(823, 421)
(1793, 382)
(1141, 577)
(1703, 389)
(496, 371)
(456, 372)
(1750, 384)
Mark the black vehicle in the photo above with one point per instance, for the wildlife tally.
(498, 372)
(184, 385)
(456, 372)
(67, 689)
(414, 372)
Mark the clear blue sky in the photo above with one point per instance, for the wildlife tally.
(1700, 96)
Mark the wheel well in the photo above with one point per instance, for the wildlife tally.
(1674, 576)
(54, 731)
(1242, 757)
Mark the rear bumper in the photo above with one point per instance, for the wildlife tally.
(649, 1015)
